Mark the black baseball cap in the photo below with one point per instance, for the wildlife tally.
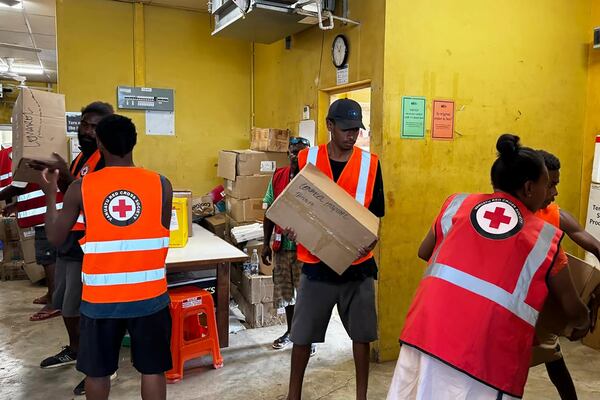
(346, 113)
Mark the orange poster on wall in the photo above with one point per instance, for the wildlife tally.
(442, 124)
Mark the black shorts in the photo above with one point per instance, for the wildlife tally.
(100, 342)
(45, 253)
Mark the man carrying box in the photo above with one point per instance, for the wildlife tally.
(127, 215)
(286, 273)
(68, 286)
(549, 347)
(359, 174)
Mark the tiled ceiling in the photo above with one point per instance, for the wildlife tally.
(31, 25)
(196, 5)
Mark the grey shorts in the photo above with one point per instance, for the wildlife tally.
(355, 301)
(67, 287)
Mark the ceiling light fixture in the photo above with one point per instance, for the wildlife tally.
(21, 70)
(11, 3)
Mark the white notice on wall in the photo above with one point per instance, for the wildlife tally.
(174, 221)
(160, 123)
(342, 76)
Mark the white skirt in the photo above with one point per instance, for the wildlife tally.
(422, 377)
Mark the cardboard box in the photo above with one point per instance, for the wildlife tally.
(245, 210)
(247, 187)
(234, 163)
(35, 272)
(265, 139)
(329, 222)
(39, 129)
(28, 250)
(12, 252)
(186, 194)
(179, 223)
(257, 289)
(217, 224)
(12, 271)
(585, 278)
(202, 207)
(258, 315)
(258, 245)
(10, 230)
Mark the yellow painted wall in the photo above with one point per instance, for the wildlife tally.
(592, 119)
(8, 101)
(512, 66)
(211, 78)
(286, 80)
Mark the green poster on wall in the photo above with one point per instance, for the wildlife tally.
(413, 117)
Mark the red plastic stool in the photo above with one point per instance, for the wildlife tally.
(194, 331)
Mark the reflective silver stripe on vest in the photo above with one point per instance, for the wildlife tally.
(534, 260)
(120, 246)
(451, 211)
(513, 302)
(363, 177)
(31, 195)
(36, 211)
(123, 278)
(81, 219)
(5, 176)
(312, 155)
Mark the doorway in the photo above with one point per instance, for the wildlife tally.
(363, 97)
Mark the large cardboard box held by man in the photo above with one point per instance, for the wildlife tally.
(329, 222)
(39, 129)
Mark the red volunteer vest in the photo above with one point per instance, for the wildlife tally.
(358, 179)
(89, 166)
(31, 206)
(478, 302)
(125, 243)
(5, 167)
(281, 178)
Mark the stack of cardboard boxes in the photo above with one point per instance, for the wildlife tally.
(254, 296)
(247, 174)
(19, 252)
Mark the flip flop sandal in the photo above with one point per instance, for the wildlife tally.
(44, 314)
(41, 300)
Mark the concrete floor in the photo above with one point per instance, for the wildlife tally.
(252, 369)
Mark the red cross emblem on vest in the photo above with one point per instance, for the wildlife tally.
(496, 218)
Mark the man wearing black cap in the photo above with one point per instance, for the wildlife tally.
(359, 173)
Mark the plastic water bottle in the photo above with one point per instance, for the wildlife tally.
(254, 263)
(246, 264)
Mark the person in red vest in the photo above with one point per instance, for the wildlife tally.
(491, 264)
(5, 166)
(29, 209)
(548, 347)
(68, 286)
(127, 217)
(287, 270)
(321, 289)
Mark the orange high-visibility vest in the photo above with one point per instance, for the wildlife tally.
(125, 243)
(550, 214)
(479, 300)
(89, 166)
(357, 178)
